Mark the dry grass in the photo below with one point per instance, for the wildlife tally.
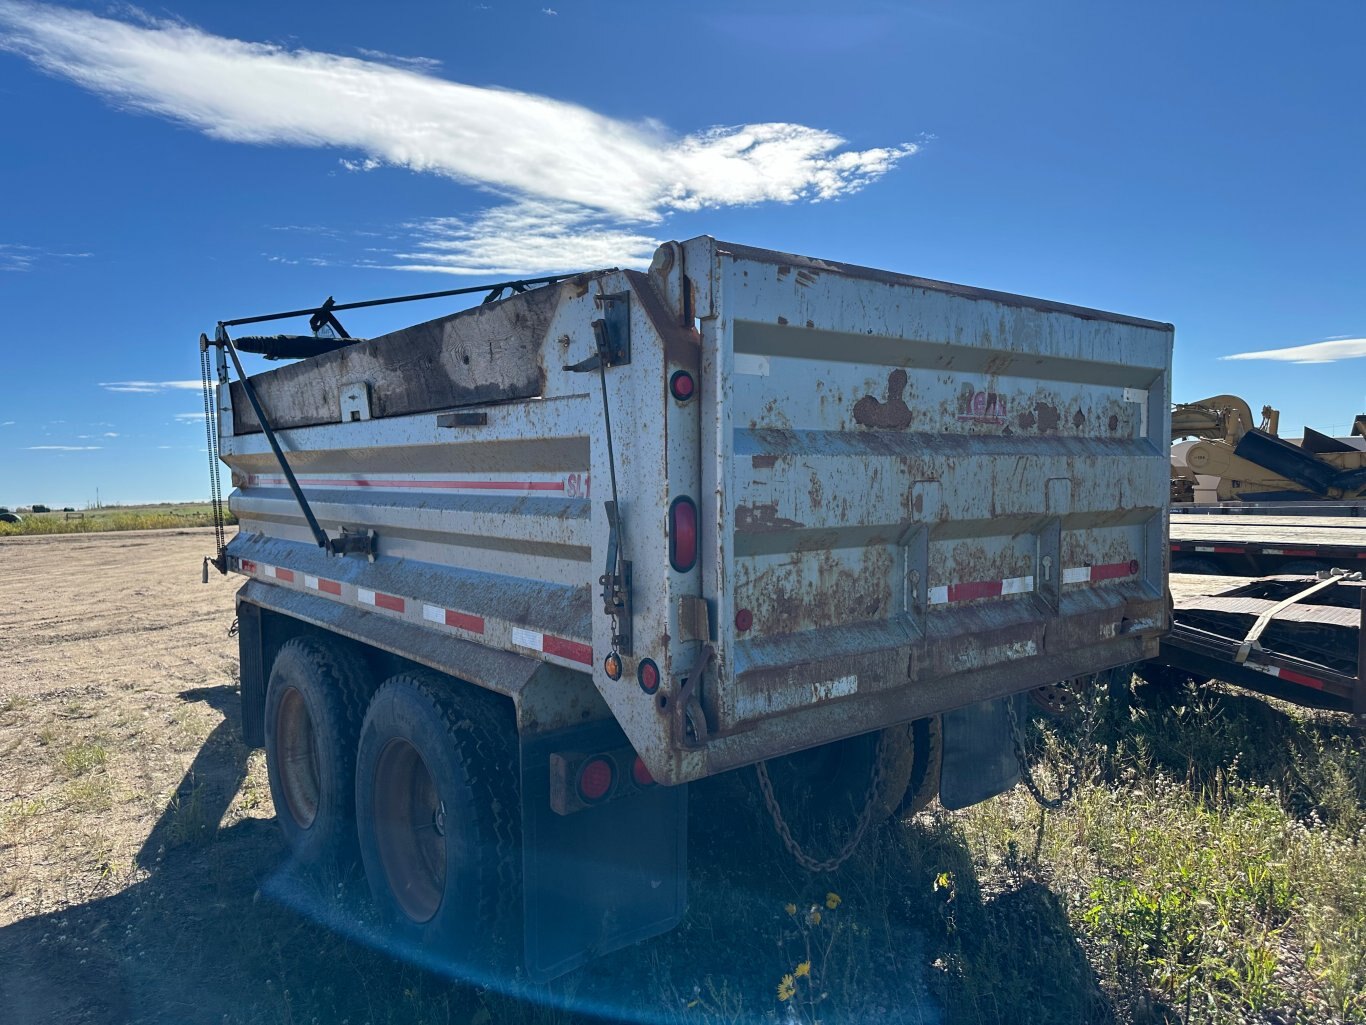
(1211, 869)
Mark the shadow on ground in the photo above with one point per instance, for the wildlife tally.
(221, 930)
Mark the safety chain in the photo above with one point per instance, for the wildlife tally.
(1069, 784)
(865, 818)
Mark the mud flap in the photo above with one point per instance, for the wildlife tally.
(979, 757)
(604, 877)
(252, 672)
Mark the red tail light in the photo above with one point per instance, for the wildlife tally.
(648, 675)
(641, 775)
(682, 386)
(595, 779)
(683, 534)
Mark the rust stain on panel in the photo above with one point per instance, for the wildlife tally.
(759, 519)
(893, 414)
(1048, 417)
(763, 462)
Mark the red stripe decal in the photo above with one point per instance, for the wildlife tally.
(474, 624)
(1176, 546)
(389, 601)
(1229, 549)
(1300, 678)
(248, 566)
(284, 574)
(572, 650)
(330, 586)
(1299, 551)
(475, 485)
(974, 589)
(1114, 570)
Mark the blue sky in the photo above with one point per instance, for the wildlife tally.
(167, 167)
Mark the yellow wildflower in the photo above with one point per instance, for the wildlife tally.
(813, 917)
(803, 969)
(791, 909)
(787, 985)
(832, 901)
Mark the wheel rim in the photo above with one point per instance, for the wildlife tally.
(298, 758)
(411, 823)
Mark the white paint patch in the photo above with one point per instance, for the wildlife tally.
(365, 597)
(1139, 395)
(433, 614)
(749, 363)
(939, 595)
(1017, 585)
(310, 582)
(840, 688)
(528, 639)
(1076, 575)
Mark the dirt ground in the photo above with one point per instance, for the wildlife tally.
(142, 878)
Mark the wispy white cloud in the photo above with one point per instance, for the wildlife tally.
(190, 418)
(15, 256)
(150, 387)
(1315, 352)
(394, 60)
(509, 239)
(7, 423)
(64, 448)
(540, 153)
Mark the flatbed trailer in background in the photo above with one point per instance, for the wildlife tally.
(1297, 638)
(1250, 545)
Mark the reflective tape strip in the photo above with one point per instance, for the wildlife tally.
(322, 584)
(265, 480)
(546, 644)
(550, 645)
(948, 593)
(450, 617)
(1288, 675)
(380, 600)
(1103, 571)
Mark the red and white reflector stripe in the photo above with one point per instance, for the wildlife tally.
(450, 617)
(322, 584)
(1105, 571)
(265, 569)
(1288, 675)
(380, 600)
(948, 593)
(551, 645)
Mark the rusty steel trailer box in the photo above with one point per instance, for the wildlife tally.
(741, 505)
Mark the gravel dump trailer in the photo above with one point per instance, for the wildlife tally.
(518, 574)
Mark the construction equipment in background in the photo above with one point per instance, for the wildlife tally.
(1243, 463)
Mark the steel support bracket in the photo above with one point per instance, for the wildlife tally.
(353, 542)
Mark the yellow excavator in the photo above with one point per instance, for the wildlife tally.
(1253, 463)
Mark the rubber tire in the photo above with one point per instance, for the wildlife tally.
(334, 684)
(927, 744)
(821, 791)
(467, 739)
